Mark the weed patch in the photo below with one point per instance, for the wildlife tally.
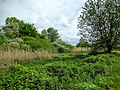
(63, 72)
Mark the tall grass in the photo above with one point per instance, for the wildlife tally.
(9, 57)
(80, 49)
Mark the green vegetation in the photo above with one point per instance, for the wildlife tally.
(83, 43)
(42, 61)
(21, 41)
(100, 23)
(65, 72)
(24, 36)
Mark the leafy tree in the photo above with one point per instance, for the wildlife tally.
(28, 29)
(15, 28)
(50, 34)
(83, 43)
(44, 34)
(100, 23)
(11, 28)
(3, 39)
(53, 34)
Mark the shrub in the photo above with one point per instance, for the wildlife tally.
(19, 40)
(25, 47)
(68, 46)
(14, 45)
(28, 38)
(46, 45)
(3, 39)
(116, 48)
(62, 49)
(106, 59)
(33, 44)
(91, 59)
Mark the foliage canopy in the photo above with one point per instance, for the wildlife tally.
(100, 23)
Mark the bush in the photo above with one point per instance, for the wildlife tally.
(116, 48)
(60, 48)
(99, 58)
(28, 38)
(36, 44)
(25, 47)
(46, 45)
(68, 46)
(3, 39)
(19, 40)
(14, 45)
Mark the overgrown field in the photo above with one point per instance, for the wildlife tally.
(8, 58)
(64, 72)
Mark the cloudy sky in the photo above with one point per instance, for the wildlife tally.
(60, 14)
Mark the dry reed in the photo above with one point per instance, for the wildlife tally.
(9, 57)
(80, 49)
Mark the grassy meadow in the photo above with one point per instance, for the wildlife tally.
(66, 71)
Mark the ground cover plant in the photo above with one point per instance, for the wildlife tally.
(64, 72)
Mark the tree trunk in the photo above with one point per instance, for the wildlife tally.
(109, 49)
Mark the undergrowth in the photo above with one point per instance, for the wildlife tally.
(64, 72)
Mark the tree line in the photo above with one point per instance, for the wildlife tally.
(20, 35)
(98, 24)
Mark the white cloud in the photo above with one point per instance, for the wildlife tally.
(61, 14)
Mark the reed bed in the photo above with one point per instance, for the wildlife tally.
(80, 49)
(9, 57)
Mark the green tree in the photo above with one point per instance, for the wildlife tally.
(83, 43)
(27, 29)
(100, 23)
(44, 34)
(17, 28)
(3, 38)
(53, 34)
(11, 27)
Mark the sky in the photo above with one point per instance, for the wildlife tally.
(60, 14)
